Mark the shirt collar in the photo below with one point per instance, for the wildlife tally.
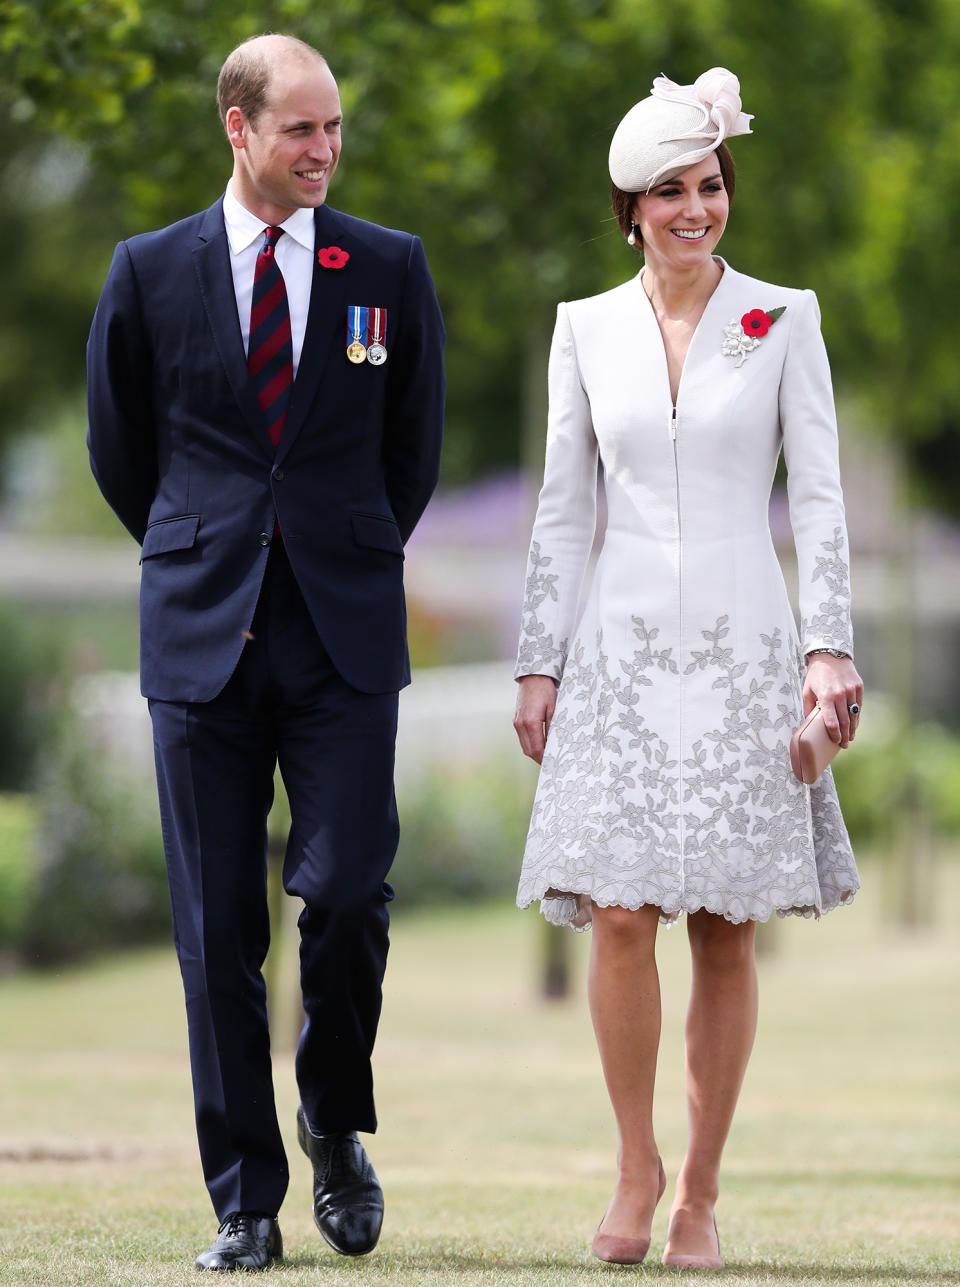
(244, 228)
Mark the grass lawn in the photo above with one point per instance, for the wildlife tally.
(496, 1148)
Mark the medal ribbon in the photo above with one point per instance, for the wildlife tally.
(357, 323)
(379, 325)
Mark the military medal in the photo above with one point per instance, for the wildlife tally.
(376, 350)
(356, 333)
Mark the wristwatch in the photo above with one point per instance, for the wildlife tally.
(834, 652)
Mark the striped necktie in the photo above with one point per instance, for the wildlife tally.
(270, 350)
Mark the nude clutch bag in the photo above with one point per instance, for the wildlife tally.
(811, 747)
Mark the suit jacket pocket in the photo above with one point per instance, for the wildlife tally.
(170, 534)
(377, 532)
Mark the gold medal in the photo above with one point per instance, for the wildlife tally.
(356, 334)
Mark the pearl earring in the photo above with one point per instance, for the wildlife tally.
(632, 238)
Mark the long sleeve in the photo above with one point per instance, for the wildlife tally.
(121, 435)
(566, 515)
(809, 425)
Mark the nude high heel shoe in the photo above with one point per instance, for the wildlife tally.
(677, 1261)
(625, 1251)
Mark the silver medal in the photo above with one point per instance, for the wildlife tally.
(376, 353)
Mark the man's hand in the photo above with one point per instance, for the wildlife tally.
(536, 702)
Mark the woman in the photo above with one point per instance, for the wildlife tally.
(662, 717)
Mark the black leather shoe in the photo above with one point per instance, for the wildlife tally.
(347, 1198)
(245, 1240)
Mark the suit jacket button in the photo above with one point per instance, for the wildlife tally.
(264, 538)
(278, 475)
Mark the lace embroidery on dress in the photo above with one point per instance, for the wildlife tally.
(832, 623)
(608, 822)
(538, 654)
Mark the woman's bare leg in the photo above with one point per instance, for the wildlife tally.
(624, 991)
(721, 1025)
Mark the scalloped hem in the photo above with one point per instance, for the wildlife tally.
(575, 909)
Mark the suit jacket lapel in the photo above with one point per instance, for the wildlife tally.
(326, 327)
(212, 262)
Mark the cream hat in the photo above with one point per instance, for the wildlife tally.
(677, 126)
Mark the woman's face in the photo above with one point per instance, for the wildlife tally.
(682, 219)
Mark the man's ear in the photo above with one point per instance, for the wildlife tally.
(237, 127)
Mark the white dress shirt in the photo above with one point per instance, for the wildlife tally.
(294, 259)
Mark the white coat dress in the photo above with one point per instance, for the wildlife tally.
(666, 778)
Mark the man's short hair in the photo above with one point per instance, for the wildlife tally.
(245, 76)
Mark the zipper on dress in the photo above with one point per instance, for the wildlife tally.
(676, 472)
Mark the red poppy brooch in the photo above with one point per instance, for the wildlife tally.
(332, 257)
(741, 338)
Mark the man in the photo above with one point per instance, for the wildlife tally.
(265, 408)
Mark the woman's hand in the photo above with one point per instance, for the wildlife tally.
(835, 684)
(536, 702)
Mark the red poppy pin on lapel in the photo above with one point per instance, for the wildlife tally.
(332, 257)
(741, 338)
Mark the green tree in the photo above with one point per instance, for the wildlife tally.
(484, 126)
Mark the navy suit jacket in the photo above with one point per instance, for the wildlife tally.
(180, 449)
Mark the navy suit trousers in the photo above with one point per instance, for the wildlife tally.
(285, 703)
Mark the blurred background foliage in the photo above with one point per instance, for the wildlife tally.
(484, 125)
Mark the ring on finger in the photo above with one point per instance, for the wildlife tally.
(854, 708)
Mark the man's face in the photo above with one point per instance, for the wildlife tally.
(288, 158)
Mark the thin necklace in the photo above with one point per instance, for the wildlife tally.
(696, 312)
